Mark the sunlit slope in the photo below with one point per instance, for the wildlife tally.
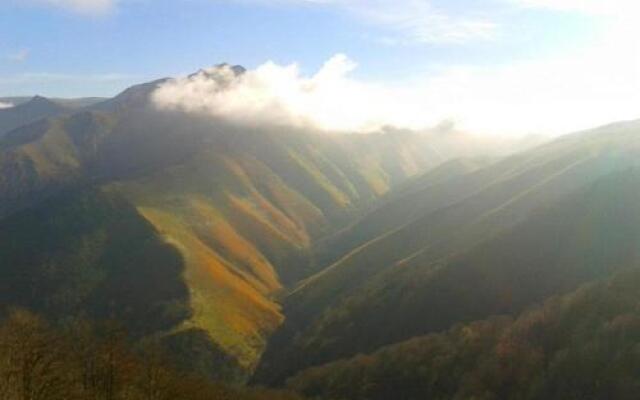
(582, 345)
(339, 311)
(415, 197)
(244, 229)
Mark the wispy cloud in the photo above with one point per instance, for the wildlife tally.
(5, 105)
(19, 56)
(408, 21)
(421, 21)
(552, 96)
(88, 7)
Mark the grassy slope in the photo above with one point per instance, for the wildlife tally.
(244, 229)
(417, 196)
(332, 313)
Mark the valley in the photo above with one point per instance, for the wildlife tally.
(305, 260)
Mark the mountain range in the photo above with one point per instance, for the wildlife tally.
(181, 225)
(340, 265)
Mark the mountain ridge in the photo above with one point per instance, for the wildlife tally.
(240, 208)
(36, 108)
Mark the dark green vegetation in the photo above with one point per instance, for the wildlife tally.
(583, 345)
(77, 250)
(83, 360)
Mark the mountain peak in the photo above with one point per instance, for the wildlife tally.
(23, 114)
(220, 71)
(41, 101)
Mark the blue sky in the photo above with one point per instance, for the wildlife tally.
(98, 47)
(108, 46)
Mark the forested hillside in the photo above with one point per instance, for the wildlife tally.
(583, 345)
(85, 360)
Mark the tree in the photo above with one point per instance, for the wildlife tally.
(32, 360)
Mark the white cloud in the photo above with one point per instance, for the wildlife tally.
(578, 89)
(278, 95)
(5, 105)
(554, 96)
(421, 21)
(19, 56)
(90, 7)
(410, 21)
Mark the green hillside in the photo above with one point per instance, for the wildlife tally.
(68, 254)
(230, 220)
(417, 196)
(239, 210)
(459, 263)
(245, 217)
(582, 345)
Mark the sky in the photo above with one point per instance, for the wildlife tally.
(488, 66)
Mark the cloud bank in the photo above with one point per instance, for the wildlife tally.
(5, 105)
(554, 96)
(280, 96)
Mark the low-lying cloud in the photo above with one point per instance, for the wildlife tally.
(552, 96)
(279, 95)
(4, 105)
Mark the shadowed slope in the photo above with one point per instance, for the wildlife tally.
(413, 268)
